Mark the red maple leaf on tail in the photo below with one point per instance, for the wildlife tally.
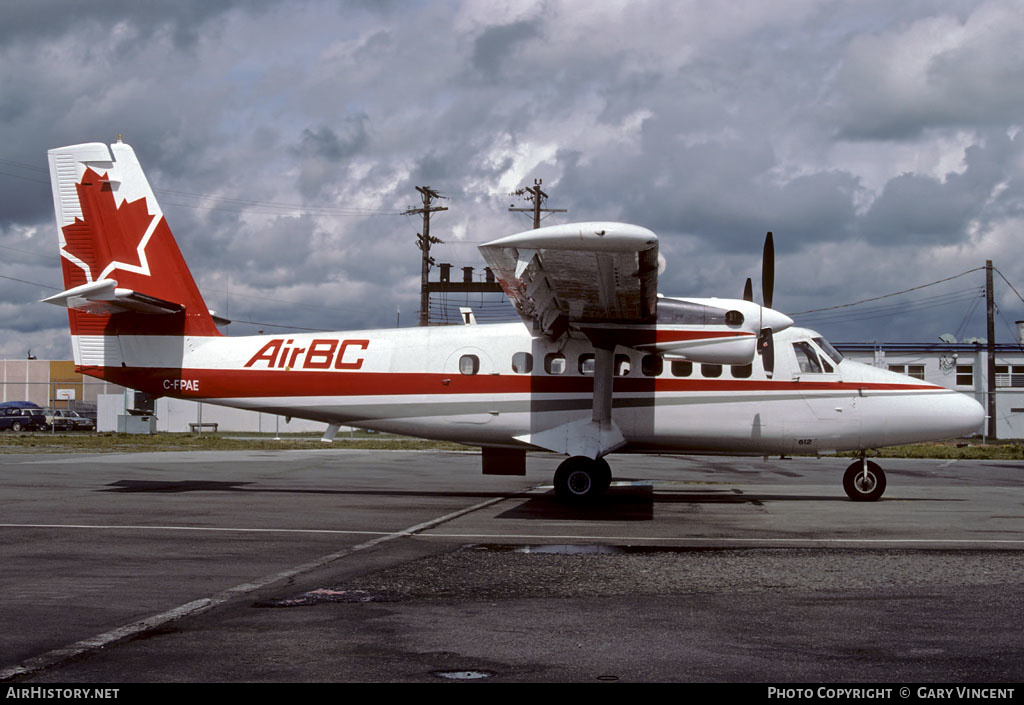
(106, 232)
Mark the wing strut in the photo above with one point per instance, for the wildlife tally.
(594, 437)
(604, 377)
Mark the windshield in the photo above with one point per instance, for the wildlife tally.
(827, 348)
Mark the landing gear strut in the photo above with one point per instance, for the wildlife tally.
(864, 481)
(581, 479)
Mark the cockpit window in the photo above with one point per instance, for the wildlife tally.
(806, 358)
(826, 346)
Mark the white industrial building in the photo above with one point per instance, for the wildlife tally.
(183, 415)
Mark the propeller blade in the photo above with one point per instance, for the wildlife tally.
(766, 349)
(748, 290)
(768, 270)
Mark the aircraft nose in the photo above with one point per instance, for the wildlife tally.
(966, 413)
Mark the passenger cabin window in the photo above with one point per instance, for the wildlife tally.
(621, 365)
(554, 363)
(741, 371)
(652, 365)
(586, 364)
(682, 368)
(469, 364)
(707, 370)
(522, 363)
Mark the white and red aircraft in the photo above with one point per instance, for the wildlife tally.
(603, 363)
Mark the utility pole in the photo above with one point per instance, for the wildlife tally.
(424, 241)
(990, 311)
(537, 196)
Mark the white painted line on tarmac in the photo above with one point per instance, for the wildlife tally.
(239, 529)
(720, 539)
(199, 606)
(386, 536)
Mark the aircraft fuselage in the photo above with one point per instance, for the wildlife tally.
(496, 385)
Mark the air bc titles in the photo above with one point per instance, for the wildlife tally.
(322, 354)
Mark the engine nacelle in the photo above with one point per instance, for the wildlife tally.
(712, 331)
(718, 350)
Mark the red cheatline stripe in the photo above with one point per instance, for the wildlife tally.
(213, 384)
(668, 336)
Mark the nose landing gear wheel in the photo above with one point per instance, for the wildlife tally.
(861, 486)
(581, 479)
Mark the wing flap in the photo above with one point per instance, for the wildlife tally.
(578, 273)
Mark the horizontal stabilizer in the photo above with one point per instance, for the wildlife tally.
(105, 297)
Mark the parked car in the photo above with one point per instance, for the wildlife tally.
(68, 420)
(56, 420)
(18, 419)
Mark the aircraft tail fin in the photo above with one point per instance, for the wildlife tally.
(123, 271)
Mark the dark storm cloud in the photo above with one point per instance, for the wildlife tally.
(920, 209)
(323, 151)
(495, 49)
(29, 21)
(723, 193)
(325, 143)
(863, 130)
(915, 209)
(948, 69)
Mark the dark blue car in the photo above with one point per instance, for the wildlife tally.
(22, 419)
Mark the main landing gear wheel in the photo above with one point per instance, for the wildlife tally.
(581, 479)
(861, 486)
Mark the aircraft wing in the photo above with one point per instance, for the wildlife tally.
(578, 273)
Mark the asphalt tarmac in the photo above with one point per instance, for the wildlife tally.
(341, 566)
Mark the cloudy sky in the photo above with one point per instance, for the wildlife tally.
(880, 141)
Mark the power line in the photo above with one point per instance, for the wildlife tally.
(886, 296)
(23, 165)
(24, 281)
(25, 178)
(962, 328)
(313, 209)
(914, 309)
(893, 309)
(1009, 285)
(27, 252)
(278, 325)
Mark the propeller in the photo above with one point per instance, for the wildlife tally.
(748, 290)
(768, 270)
(766, 349)
(766, 337)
